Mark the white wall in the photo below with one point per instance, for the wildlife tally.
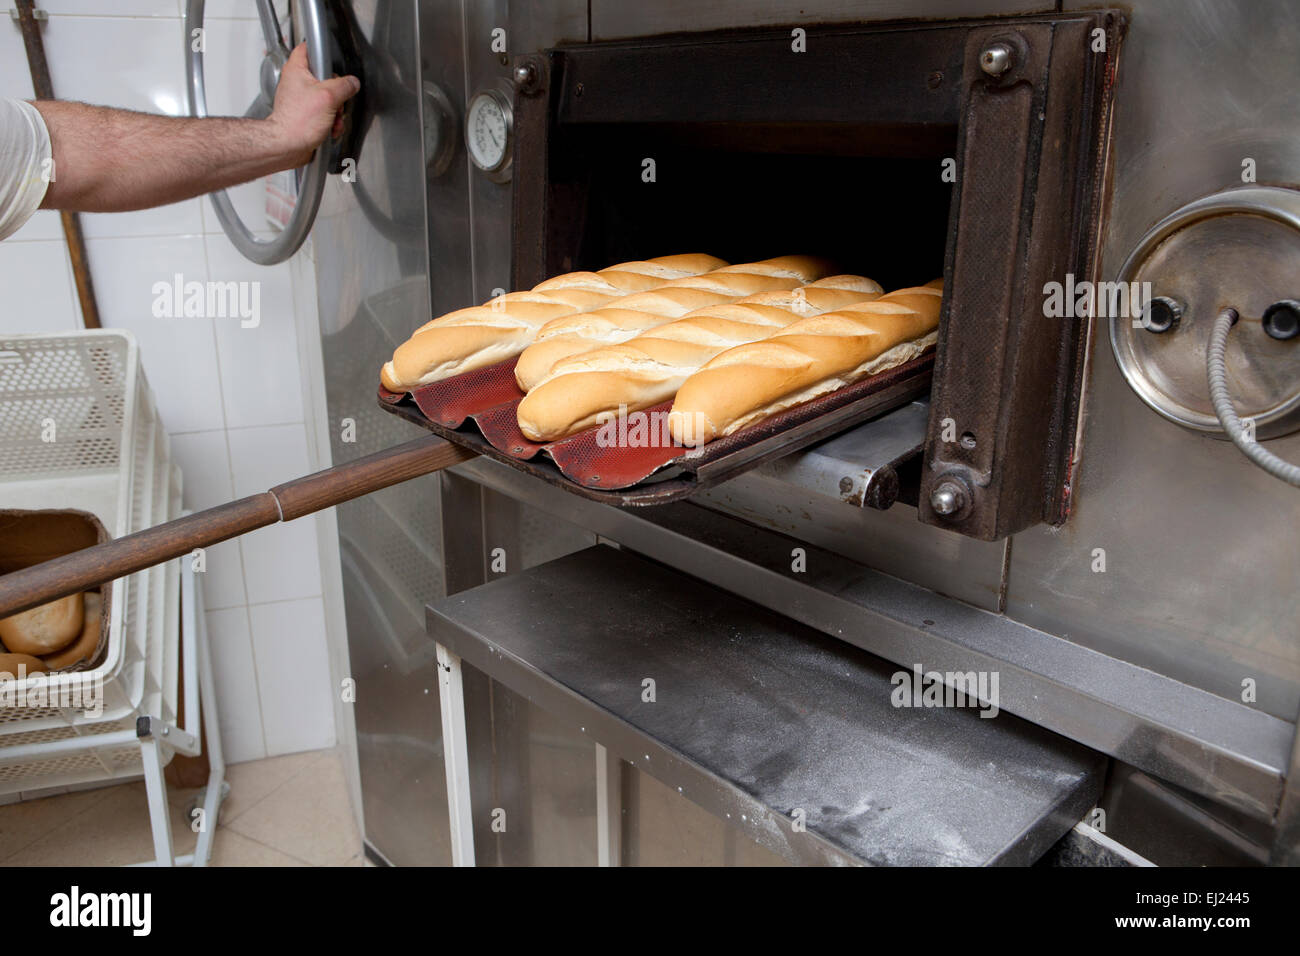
(230, 397)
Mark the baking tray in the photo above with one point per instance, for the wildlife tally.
(476, 410)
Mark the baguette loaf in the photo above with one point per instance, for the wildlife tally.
(483, 335)
(808, 358)
(647, 369)
(577, 333)
(804, 268)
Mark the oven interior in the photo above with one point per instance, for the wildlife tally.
(872, 204)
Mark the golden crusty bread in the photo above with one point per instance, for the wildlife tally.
(803, 268)
(662, 268)
(44, 629)
(578, 333)
(485, 334)
(808, 358)
(10, 664)
(574, 334)
(84, 646)
(847, 283)
(647, 369)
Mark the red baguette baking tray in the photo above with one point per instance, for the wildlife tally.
(638, 465)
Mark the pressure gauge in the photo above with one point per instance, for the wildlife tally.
(439, 130)
(489, 127)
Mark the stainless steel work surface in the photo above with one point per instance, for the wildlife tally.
(765, 722)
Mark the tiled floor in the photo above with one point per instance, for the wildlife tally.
(283, 811)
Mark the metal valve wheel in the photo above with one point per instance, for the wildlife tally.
(311, 178)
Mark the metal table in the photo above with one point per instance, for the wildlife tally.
(788, 734)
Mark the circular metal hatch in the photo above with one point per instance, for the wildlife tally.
(1238, 248)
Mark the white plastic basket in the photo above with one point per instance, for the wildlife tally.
(42, 764)
(110, 457)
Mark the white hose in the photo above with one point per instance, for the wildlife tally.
(1217, 376)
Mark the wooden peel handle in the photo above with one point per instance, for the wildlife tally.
(92, 566)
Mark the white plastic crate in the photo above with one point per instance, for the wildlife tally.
(41, 767)
(111, 458)
(52, 767)
(150, 650)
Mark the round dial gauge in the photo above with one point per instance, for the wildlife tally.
(439, 129)
(487, 130)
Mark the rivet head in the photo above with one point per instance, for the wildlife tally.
(996, 59)
(525, 75)
(948, 498)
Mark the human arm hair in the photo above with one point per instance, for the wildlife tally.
(112, 160)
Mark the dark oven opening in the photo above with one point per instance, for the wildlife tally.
(838, 147)
(752, 192)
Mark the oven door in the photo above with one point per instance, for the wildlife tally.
(972, 148)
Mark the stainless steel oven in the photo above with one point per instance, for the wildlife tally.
(1063, 509)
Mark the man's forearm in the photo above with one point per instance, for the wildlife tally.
(110, 160)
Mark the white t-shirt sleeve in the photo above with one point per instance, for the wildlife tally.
(25, 161)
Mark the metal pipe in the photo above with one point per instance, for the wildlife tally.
(92, 566)
(1217, 377)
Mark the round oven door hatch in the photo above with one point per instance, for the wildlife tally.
(1240, 249)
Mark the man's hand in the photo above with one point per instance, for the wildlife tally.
(306, 109)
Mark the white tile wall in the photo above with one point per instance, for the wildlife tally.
(179, 219)
(117, 8)
(265, 354)
(37, 284)
(242, 734)
(230, 397)
(242, 9)
(293, 678)
(179, 354)
(134, 63)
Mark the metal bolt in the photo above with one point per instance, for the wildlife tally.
(948, 498)
(1161, 314)
(997, 59)
(525, 75)
(882, 489)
